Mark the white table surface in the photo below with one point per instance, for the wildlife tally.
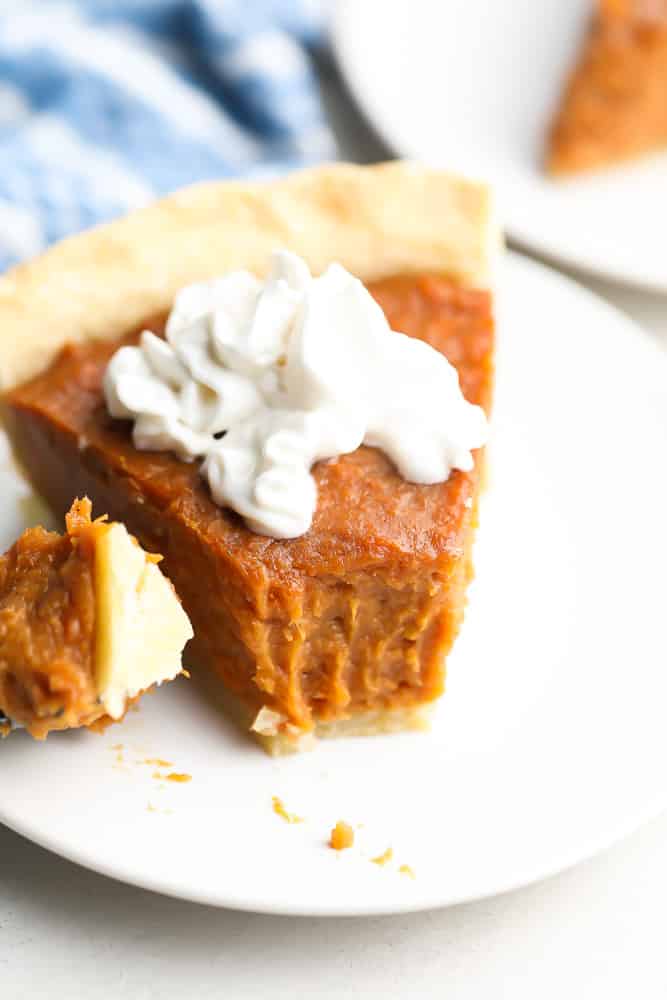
(595, 931)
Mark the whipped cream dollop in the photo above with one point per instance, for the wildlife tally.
(262, 379)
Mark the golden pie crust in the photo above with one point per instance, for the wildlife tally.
(395, 218)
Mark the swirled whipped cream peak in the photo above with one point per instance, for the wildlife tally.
(261, 379)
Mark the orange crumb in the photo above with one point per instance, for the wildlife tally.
(118, 746)
(186, 673)
(158, 762)
(383, 859)
(5, 729)
(279, 810)
(180, 778)
(407, 870)
(342, 836)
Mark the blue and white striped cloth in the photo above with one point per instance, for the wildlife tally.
(105, 104)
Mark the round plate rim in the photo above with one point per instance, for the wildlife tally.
(394, 139)
(247, 904)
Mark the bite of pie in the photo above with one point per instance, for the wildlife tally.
(87, 624)
(346, 628)
(614, 106)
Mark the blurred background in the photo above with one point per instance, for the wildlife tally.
(106, 104)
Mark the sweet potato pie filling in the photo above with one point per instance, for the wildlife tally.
(355, 616)
(47, 626)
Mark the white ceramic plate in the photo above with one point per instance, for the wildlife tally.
(550, 742)
(472, 85)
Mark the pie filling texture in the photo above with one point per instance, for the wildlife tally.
(614, 106)
(47, 627)
(356, 616)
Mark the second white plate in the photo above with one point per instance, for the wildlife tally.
(550, 742)
(472, 85)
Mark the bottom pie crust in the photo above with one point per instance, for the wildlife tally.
(287, 739)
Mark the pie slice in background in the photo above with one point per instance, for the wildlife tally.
(614, 107)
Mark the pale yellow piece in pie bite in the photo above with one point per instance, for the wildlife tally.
(141, 627)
